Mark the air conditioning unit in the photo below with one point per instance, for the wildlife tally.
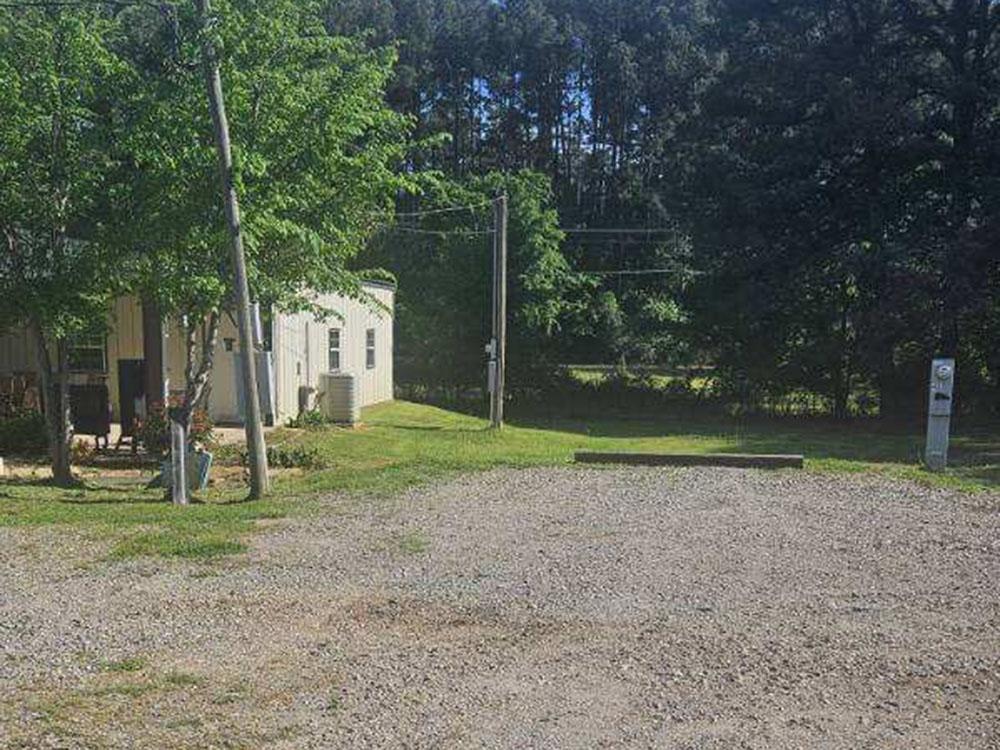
(339, 398)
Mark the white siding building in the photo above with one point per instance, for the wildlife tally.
(355, 339)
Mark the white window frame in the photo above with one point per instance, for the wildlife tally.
(334, 351)
(370, 360)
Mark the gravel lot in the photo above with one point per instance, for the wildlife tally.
(548, 608)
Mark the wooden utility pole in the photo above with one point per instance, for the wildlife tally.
(256, 450)
(498, 358)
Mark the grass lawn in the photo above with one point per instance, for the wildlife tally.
(402, 444)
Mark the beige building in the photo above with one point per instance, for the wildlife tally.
(141, 352)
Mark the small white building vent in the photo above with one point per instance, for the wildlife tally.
(339, 398)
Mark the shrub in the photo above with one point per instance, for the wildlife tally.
(154, 430)
(23, 435)
(81, 453)
(290, 457)
(308, 419)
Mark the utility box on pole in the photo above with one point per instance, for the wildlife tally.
(942, 389)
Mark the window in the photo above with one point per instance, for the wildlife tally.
(334, 350)
(370, 348)
(88, 354)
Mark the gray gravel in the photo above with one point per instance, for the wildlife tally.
(547, 608)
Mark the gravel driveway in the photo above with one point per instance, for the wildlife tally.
(547, 608)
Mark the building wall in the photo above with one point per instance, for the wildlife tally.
(300, 345)
(301, 348)
(124, 341)
(222, 398)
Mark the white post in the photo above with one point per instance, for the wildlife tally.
(942, 387)
(178, 460)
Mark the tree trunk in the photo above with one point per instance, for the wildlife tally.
(198, 368)
(843, 365)
(841, 395)
(58, 419)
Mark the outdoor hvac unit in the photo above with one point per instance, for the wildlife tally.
(339, 397)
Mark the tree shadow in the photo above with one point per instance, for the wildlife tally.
(47, 482)
(861, 440)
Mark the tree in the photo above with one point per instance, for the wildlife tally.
(843, 195)
(316, 156)
(443, 308)
(827, 165)
(61, 80)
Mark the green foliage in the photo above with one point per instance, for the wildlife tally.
(311, 418)
(824, 173)
(294, 457)
(23, 435)
(154, 429)
(62, 83)
(821, 178)
(315, 147)
(444, 303)
(829, 239)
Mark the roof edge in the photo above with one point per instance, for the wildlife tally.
(392, 286)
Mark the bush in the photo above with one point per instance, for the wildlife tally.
(154, 430)
(23, 435)
(308, 419)
(290, 457)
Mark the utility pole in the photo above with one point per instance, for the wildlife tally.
(498, 346)
(256, 450)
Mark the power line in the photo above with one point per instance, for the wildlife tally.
(439, 233)
(449, 209)
(636, 272)
(619, 243)
(614, 230)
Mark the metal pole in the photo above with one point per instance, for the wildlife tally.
(498, 361)
(256, 450)
(178, 459)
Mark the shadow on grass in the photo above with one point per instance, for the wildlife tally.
(864, 441)
(37, 482)
(871, 441)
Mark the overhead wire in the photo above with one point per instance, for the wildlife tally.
(446, 210)
(615, 230)
(637, 272)
(438, 232)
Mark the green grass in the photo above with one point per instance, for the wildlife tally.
(182, 679)
(404, 444)
(138, 522)
(414, 543)
(130, 664)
